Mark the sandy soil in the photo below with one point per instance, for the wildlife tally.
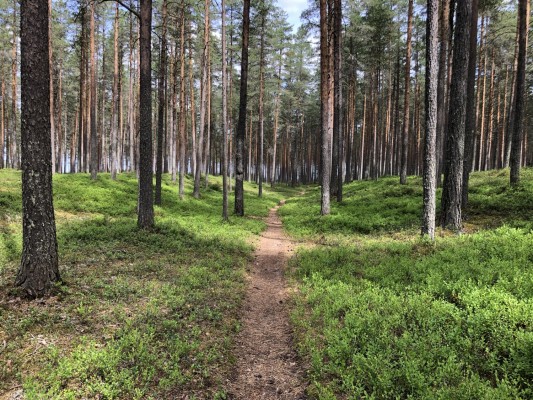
(267, 365)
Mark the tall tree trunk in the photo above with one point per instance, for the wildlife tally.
(261, 101)
(519, 100)
(39, 266)
(444, 28)
(2, 124)
(405, 133)
(52, 108)
(203, 104)
(430, 142)
(93, 104)
(224, 117)
(277, 103)
(453, 167)
(13, 140)
(337, 122)
(241, 126)
(183, 110)
(470, 123)
(326, 94)
(161, 102)
(115, 105)
(145, 219)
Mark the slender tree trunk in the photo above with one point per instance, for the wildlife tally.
(261, 101)
(13, 140)
(2, 124)
(224, 117)
(183, 108)
(94, 137)
(325, 96)
(519, 101)
(430, 142)
(338, 121)
(39, 266)
(161, 105)
(203, 105)
(52, 108)
(453, 168)
(442, 91)
(405, 133)
(276, 121)
(145, 219)
(241, 127)
(512, 100)
(115, 105)
(470, 122)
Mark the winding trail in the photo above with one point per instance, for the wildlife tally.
(267, 365)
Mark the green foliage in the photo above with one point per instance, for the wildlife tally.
(381, 318)
(141, 314)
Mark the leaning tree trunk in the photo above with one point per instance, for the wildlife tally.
(519, 104)
(39, 267)
(145, 217)
(453, 166)
(241, 126)
(430, 142)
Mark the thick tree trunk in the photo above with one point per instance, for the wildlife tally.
(442, 84)
(519, 103)
(39, 267)
(430, 142)
(453, 167)
(241, 126)
(145, 218)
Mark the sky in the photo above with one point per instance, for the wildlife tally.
(294, 8)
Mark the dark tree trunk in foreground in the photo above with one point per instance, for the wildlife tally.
(430, 143)
(146, 202)
(241, 126)
(405, 132)
(470, 124)
(519, 99)
(39, 267)
(453, 165)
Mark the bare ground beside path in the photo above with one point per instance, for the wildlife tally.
(267, 364)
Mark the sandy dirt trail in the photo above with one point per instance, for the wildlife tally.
(267, 364)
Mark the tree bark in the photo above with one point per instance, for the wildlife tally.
(161, 84)
(203, 105)
(145, 218)
(430, 142)
(39, 266)
(519, 100)
(405, 133)
(453, 167)
(183, 110)
(241, 126)
(470, 123)
(224, 117)
(115, 105)
(92, 67)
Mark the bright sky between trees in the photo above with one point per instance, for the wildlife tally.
(293, 8)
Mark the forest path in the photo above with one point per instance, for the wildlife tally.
(267, 364)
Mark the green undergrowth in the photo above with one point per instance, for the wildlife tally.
(147, 315)
(384, 314)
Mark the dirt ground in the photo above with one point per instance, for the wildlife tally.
(267, 364)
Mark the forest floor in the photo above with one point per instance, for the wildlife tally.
(267, 367)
